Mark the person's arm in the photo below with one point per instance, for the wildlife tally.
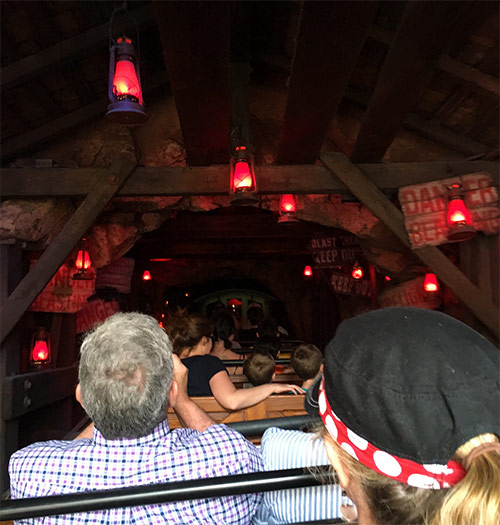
(234, 398)
(188, 412)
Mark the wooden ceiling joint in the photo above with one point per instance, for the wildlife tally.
(420, 40)
(56, 253)
(330, 36)
(196, 45)
(371, 196)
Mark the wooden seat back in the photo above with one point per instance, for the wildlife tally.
(273, 406)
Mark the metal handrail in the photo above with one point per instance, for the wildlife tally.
(165, 492)
(239, 362)
(257, 427)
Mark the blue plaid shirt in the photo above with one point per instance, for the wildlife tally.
(62, 467)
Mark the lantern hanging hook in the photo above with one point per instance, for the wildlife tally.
(123, 9)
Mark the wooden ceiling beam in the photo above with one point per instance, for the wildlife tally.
(421, 38)
(195, 38)
(330, 36)
(68, 50)
(367, 192)
(59, 249)
(172, 181)
(60, 125)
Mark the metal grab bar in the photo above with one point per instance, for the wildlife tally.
(239, 362)
(257, 427)
(165, 492)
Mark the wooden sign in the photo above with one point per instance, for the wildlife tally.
(333, 251)
(117, 274)
(410, 293)
(344, 284)
(424, 208)
(94, 312)
(63, 294)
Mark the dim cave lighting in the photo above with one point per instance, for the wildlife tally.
(124, 84)
(288, 208)
(458, 217)
(243, 185)
(430, 283)
(83, 263)
(357, 271)
(146, 276)
(308, 273)
(40, 347)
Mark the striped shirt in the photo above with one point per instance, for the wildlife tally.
(282, 449)
(63, 467)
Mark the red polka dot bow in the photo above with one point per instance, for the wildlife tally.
(430, 476)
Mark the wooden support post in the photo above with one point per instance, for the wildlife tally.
(54, 256)
(367, 193)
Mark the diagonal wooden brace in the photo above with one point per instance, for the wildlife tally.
(368, 194)
(57, 252)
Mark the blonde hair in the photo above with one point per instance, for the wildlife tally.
(474, 500)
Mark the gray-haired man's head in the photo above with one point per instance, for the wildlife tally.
(125, 374)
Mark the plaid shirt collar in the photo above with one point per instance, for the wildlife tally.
(160, 432)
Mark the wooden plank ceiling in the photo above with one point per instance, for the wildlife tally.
(54, 70)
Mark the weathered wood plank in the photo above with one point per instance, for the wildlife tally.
(28, 392)
(52, 258)
(421, 38)
(331, 35)
(368, 193)
(65, 123)
(67, 50)
(164, 181)
(197, 61)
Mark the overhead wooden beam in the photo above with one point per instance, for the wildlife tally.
(331, 35)
(195, 38)
(431, 130)
(54, 256)
(165, 181)
(422, 36)
(70, 49)
(453, 67)
(371, 196)
(67, 122)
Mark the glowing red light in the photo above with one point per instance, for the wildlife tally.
(458, 213)
(125, 81)
(387, 278)
(146, 276)
(430, 283)
(308, 272)
(242, 178)
(83, 260)
(40, 351)
(287, 204)
(357, 272)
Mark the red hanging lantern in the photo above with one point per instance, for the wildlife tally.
(287, 209)
(124, 88)
(308, 273)
(357, 271)
(458, 216)
(387, 278)
(83, 264)
(243, 184)
(146, 276)
(430, 283)
(40, 347)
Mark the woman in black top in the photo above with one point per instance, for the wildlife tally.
(191, 337)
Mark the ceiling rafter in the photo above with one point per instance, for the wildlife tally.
(421, 38)
(68, 50)
(179, 181)
(197, 61)
(331, 34)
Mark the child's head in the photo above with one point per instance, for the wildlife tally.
(254, 315)
(259, 368)
(306, 361)
(267, 344)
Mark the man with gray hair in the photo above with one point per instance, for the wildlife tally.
(128, 378)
